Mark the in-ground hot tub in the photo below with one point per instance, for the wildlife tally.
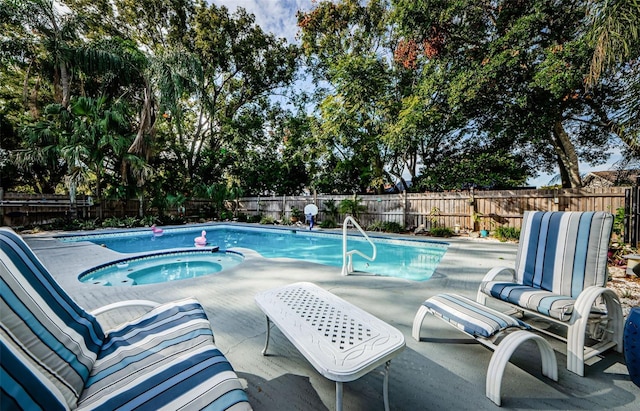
(162, 267)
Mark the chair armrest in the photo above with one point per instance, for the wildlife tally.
(587, 298)
(124, 304)
(494, 272)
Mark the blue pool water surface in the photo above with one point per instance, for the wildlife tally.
(161, 267)
(409, 259)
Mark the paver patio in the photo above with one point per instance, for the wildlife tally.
(445, 373)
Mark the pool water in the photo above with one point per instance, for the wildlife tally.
(161, 267)
(403, 258)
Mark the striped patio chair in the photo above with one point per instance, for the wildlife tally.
(560, 274)
(56, 356)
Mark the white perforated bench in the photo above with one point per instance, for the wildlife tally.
(500, 332)
(340, 340)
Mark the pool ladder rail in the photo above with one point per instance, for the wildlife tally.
(347, 255)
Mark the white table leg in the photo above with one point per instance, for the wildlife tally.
(385, 385)
(338, 396)
(266, 343)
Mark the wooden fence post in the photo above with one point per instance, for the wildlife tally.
(627, 216)
(404, 208)
(635, 198)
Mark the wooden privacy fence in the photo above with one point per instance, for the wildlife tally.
(466, 210)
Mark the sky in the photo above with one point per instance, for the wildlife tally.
(274, 16)
(279, 17)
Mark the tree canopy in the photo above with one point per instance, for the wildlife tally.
(150, 99)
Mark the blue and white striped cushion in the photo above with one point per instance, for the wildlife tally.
(564, 252)
(54, 333)
(545, 302)
(164, 360)
(469, 316)
(23, 386)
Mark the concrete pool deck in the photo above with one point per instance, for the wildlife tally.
(445, 372)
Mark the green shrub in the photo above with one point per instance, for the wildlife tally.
(267, 220)
(112, 222)
(618, 222)
(87, 224)
(328, 223)
(254, 218)
(441, 232)
(352, 206)
(386, 226)
(148, 220)
(130, 222)
(392, 227)
(506, 233)
(376, 226)
(331, 210)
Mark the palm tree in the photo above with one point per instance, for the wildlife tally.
(616, 40)
(615, 34)
(98, 140)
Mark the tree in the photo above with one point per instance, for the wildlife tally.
(614, 34)
(347, 45)
(269, 155)
(515, 71)
(39, 153)
(226, 65)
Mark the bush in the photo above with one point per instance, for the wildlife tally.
(226, 215)
(267, 220)
(352, 206)
(441, 232)
(506, 233)
(254, 218)
(331, 211)
(376, 226)
(87, 224)
(328, 223)
(392, 227)
(130, 222)
(148, 220)
(386, 226)
(112, 222)
(618, 222)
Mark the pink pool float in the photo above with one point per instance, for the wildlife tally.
(202, 240)
(156, 231)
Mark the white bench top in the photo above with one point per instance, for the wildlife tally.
(339, 339)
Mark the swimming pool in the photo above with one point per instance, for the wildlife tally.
(161, 267)
(404, 258)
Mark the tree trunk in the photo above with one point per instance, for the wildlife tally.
(147, 120)
(64, 81)
(567, 157)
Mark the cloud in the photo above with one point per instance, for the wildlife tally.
(274, 16)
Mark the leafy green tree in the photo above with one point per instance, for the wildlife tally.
(614, 34)
(39, 154)
(352, 206)
(225, 67)
(98, 141)
(475, 167)
(515, 71)
(345, 44)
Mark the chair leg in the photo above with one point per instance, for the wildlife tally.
(579, 322)
(417, 322)
(503, 353)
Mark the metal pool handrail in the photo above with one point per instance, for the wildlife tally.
(347, 256)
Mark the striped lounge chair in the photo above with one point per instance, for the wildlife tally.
(55, 356)
(560, 274)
